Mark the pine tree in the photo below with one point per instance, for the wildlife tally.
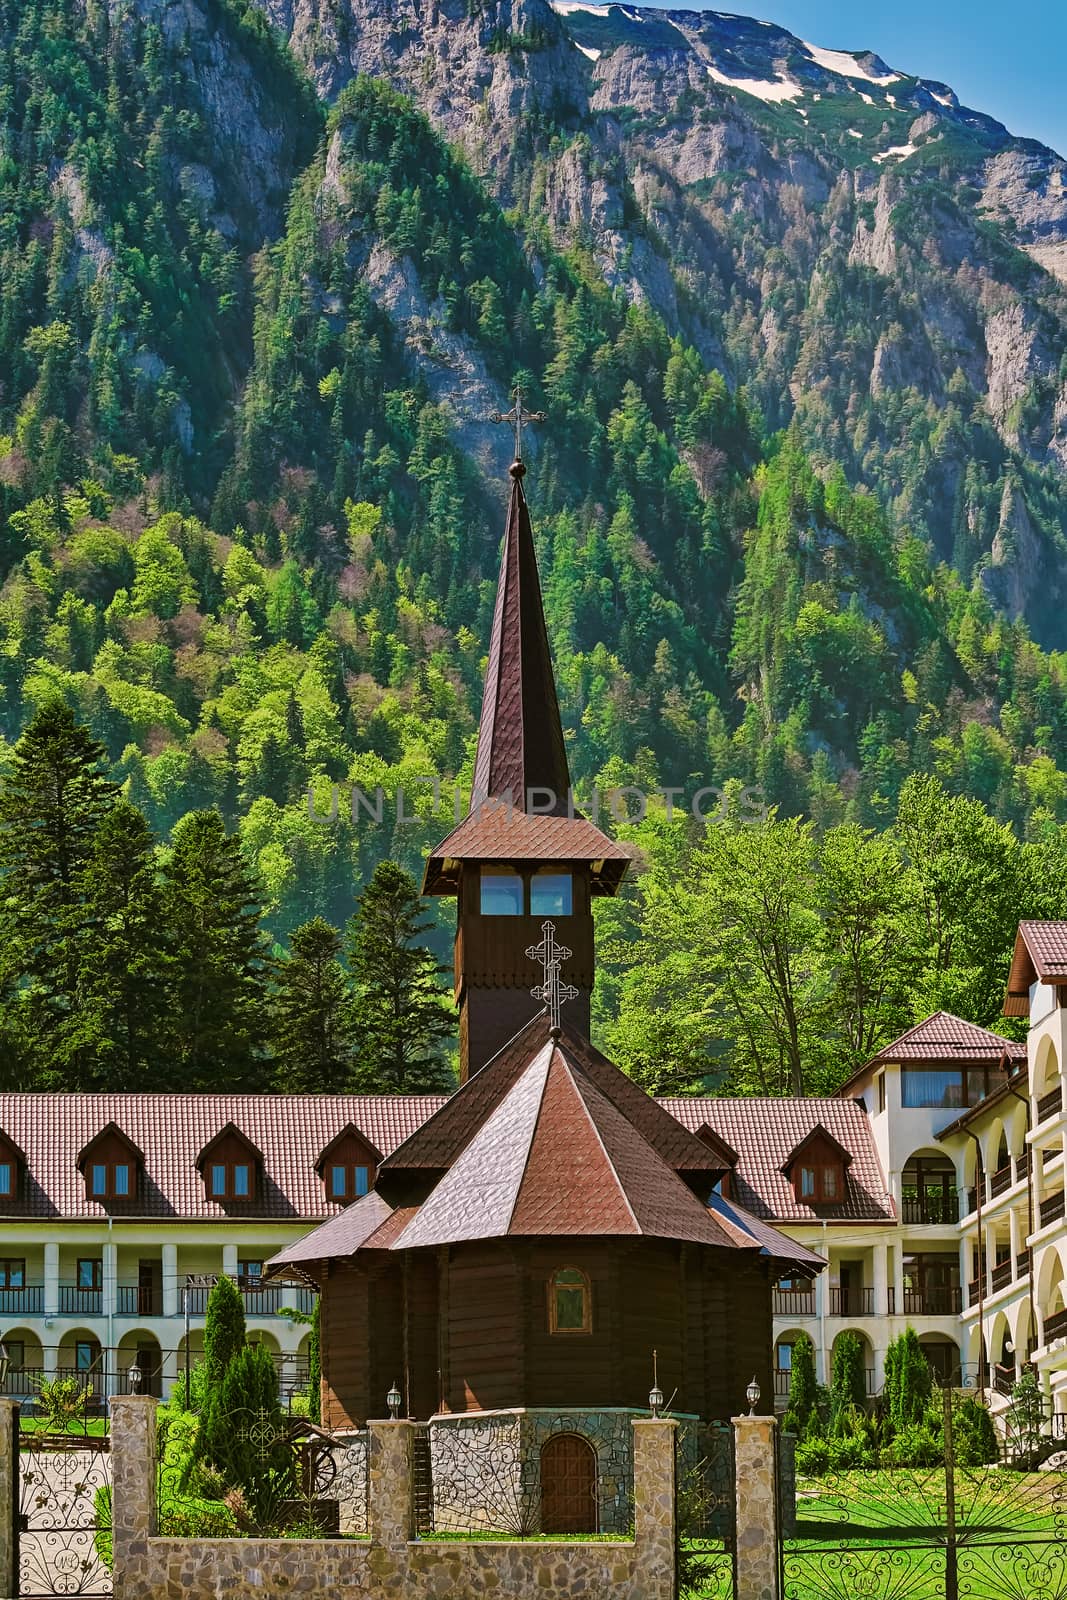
(245, 1435)
(402, 1014)
(124, 998)
(218, 959)
(908, 1380)
(848, 1387)
(313, 1020)
(51, 809)
(224, 1330)
(803, 1387)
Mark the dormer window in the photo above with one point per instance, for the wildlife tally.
(7, 1180)
(348, 1166)
(816, 1168)
(348, 1182)
(230, 1166)
(551, 894)
(501, 892)
(111, 1164)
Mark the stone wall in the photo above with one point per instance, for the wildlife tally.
(391, 1564)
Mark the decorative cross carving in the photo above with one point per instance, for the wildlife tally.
(518, 417)
(552, 993)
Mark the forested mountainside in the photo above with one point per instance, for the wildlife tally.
(799, 494)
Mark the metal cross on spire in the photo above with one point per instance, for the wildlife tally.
(518, 417)
(552, 993)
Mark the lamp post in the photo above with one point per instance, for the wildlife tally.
(752, 1394)
(133, 1378)
(392, 1400)
(655, 1394)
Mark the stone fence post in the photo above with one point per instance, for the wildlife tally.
(133, 1481)
(9, 1497)
(757, 1509)
(655, 1498)
(390, 1487)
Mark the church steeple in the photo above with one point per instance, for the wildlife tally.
(521, 750)
(521, 855)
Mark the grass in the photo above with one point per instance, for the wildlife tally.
(88, 1427)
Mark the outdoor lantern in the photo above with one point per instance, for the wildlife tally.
(4, 1362)
(752, 1394)
(655, 1394)
(392, 1400)
(133, 1376)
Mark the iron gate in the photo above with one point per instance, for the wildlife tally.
(706, 1510)
(64, 1514)
(940, 1533)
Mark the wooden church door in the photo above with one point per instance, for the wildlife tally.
(568, 1485)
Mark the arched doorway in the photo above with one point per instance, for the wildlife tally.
(943, 1357)
(568, 1485)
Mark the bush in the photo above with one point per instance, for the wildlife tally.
(908, 1381)
(813, 1457)
(848, 1389)
(974, 1434)
(917, 1444)
(803, 1389)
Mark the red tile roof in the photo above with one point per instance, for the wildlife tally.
(943, 1037)
(764, 1132)
(1040, 954)
(173, 1129)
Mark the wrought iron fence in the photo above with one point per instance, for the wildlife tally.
(64, 1509)
(706, 1510)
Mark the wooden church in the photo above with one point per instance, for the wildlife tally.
(528, 1248)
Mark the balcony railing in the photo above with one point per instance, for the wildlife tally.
(782, 1376)
(1000, 1277)
(28, 1299)
(22, 1381)
(1022, 1264)
(1055, 1326)
(930, 1205)
(1004, 1379)
(80, 1302)
(974, 1291)
(1052, 1208)
(851, 1302)
(136, 1301)
(1001, 1179)
(794, 1302)
(1050, 1104)
(265, 1302)
(936, 1301)
(306, 1300)
(1024, 1163)
(969, 1201)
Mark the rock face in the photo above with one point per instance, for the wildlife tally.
(842, 238)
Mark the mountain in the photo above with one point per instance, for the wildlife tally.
(793, 318)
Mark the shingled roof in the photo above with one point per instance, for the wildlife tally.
(172, 1131)
(944, 1037)
(765, 1132)
(1040, 955)
(549, 1139)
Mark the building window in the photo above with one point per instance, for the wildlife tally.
(807, 1183)
(16, 1354)
(90, 1274)
(569, 1302)
(501, 892)
(230, 1180)
(951, 1088)
(881, 1091)
(829, 1183)
(86, 1355)
(109, 1180)
(820, 1185)
(348, 1182)
(551, 894)
(12, 1274)
(250, 1274)
(7, 1180)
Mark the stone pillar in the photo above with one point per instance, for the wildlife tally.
(655, 1555)
(9, 1497)
(391, 1504)
(51, 1278)
(133, 1482)
(757, 1509)
(171, 1288)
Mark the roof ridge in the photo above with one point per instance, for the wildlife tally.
(587, 1113)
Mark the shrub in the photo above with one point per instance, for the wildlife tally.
(803, 1389)
(908, 1381)
(974, 1433)
(813, 1457)
(848, 1389)
(224, 1331)
(917, 1444)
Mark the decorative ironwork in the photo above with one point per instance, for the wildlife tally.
(483, 1480)
(517, 418)
(940, 1533)
(64, 1514)
(552, 993)
(706, 1510)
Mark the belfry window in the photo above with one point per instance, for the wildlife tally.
(501, 892)
(569, 1302)
(551, 894)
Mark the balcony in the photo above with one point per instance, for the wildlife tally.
(782, 1376)
(29, 1300)
(969, 1198)
(930, 1205)
(78, 1302)
(1052, 1208)
(1055, 1326)
(974, 1291)
(1050, 1105)
(1022, 1264)
(851, 1302)
(794, 1302)
(265, 1302)
(1002, 1179)
(307, 1300)
(1000, 1277)
(21, 1381)
(134, 1300)
(1004, 1380)
(936, 1301)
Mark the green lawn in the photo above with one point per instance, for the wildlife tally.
(89, 1427)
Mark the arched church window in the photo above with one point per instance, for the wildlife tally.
(501, 892)
(569, 1302)
(551, 894)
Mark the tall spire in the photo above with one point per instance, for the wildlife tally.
(520, 736)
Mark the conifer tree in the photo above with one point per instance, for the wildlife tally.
(908, 1380)
(313, 1018)
(51, 809)
(218, 961)
(224, 1330)
(848, 1387)
(123, 1012)
(803, 1387)
(403, 1016)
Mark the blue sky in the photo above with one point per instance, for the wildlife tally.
(1007, 59)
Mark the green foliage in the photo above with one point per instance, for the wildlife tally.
(974, 1431)
(242, 1435)
(403, 1014)
(62, 1403)
(908, 1382)
(803, 1387)
(848, 1384)
(315, 1030)
(224, 1332)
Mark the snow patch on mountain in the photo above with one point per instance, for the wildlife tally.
(845, 65)
(772, 89)
(898, 152)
